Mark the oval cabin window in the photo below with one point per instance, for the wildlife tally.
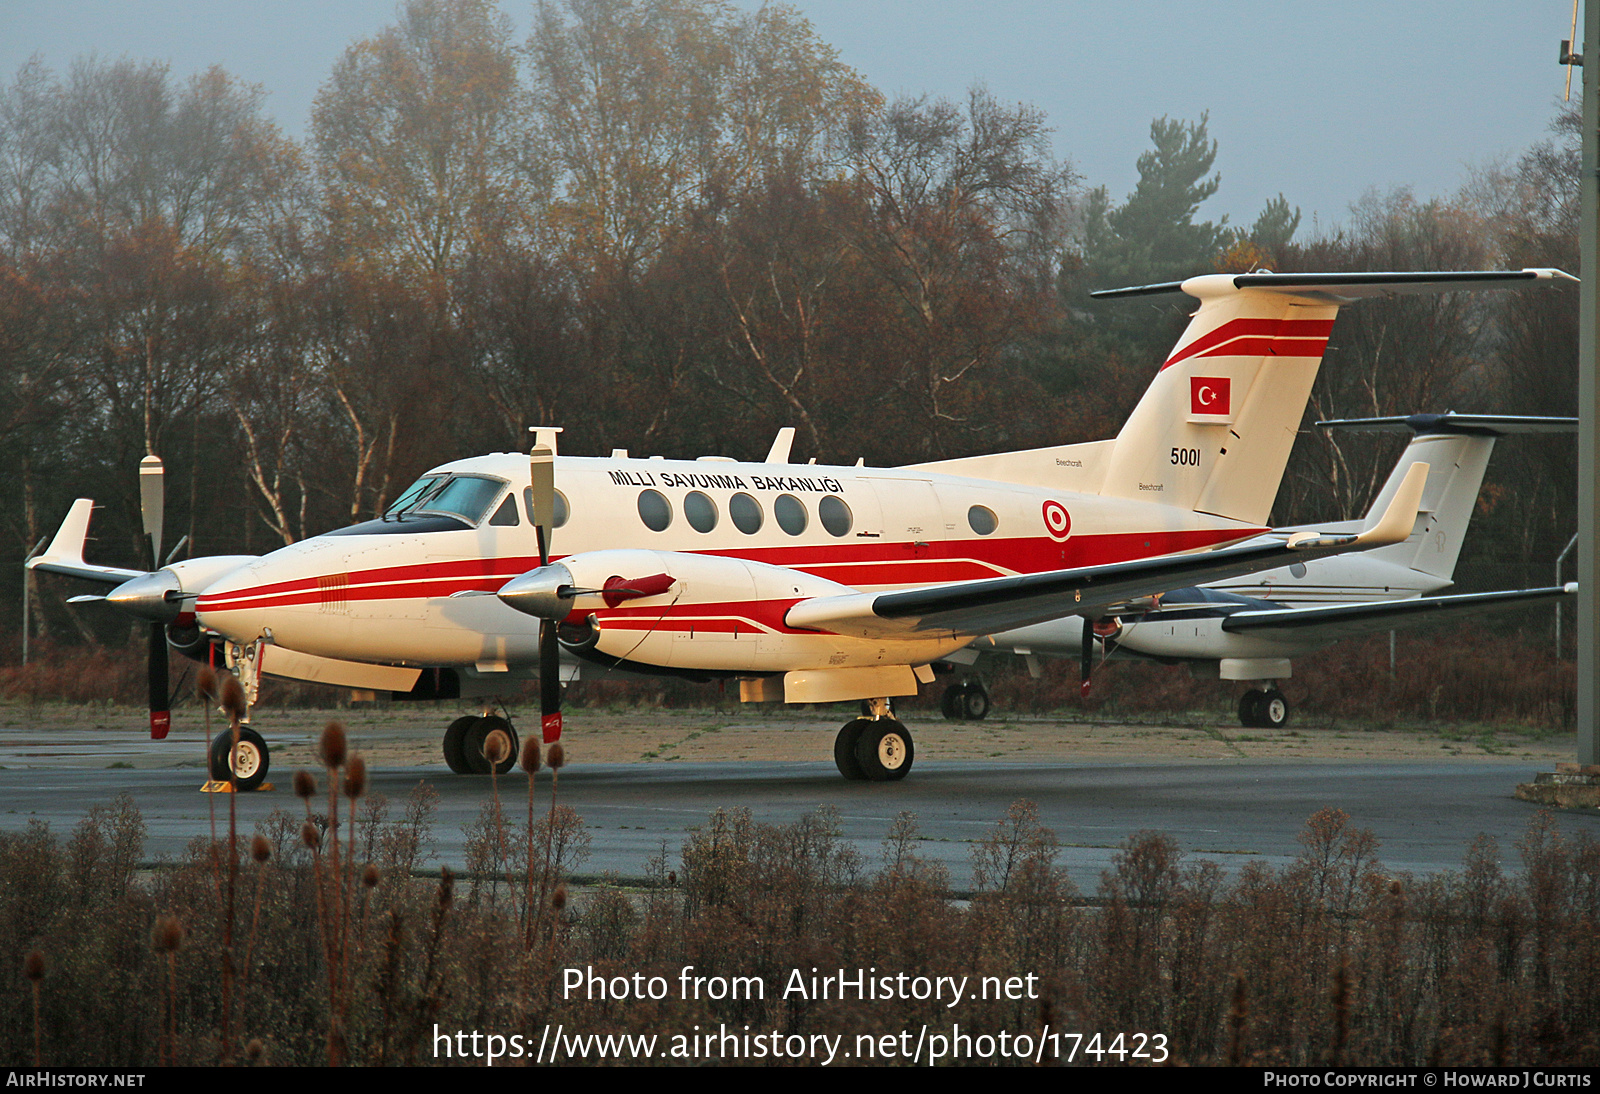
(835, 515)
(746, 513)
(700, 511)
(790, 513)
(655, 510)
(982, 519)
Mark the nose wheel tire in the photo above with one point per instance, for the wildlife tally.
(245, 764)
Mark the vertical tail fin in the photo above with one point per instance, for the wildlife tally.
(1457, 449)
(1214, 429)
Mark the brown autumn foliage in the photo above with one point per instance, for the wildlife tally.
(673, 226)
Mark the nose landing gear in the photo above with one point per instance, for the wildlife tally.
(246, 763)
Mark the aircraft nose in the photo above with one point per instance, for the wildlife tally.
(155, 596)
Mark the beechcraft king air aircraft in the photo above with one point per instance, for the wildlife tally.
(807, 584)
(1249, 627)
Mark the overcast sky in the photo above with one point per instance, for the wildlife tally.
(1321, 101)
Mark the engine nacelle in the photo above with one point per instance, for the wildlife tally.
(701, 613)
(189, 639)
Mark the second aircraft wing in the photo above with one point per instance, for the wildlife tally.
(1003, 603)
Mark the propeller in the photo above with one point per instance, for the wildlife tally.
(1086, 664)
(1107, 628)
(542, 467)
(152, 505)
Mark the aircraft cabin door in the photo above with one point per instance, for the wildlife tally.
(913, 531)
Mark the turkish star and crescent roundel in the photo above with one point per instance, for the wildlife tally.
(1210, 395)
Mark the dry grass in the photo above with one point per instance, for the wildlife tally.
(345, 957)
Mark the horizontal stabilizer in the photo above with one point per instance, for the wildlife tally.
(1345, 287)
(1472, 425)
(1334, 621)
(65, 553)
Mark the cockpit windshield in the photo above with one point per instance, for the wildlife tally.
(464, 496)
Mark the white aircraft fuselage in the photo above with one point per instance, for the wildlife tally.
(743, 541)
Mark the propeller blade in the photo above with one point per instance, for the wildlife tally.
(1086, 665)
(148, 598)
(160, 700)
(549, 681)
(176, 547)
(542, 469)
(148, 595)
(542, 473)
(152, 503)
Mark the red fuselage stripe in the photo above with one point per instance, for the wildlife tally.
(853, 565)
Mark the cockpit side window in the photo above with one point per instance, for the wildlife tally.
(506, 515)
(562, 509)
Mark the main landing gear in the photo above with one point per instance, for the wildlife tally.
(967, 701)
(874, 748)
(1263, 709)
(466, 740)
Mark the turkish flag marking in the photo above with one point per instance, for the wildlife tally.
(551, 725)
(1209, 395)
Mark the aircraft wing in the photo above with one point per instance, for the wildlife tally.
(65, 553)
(1003, 603)
(1334, 621)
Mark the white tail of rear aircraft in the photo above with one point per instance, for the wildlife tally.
(1456, 447)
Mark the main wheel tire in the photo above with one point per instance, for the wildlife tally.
(975, 702)
(1273, 712)
(844, 749)
(455, 739)
(953, 702)
(885, 751)
(477, 737)
(246, 765)
(1250, 708)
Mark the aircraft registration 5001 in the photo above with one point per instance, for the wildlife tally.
(806, 583)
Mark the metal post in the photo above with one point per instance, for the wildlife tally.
(1589, 395)
(27, 588)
